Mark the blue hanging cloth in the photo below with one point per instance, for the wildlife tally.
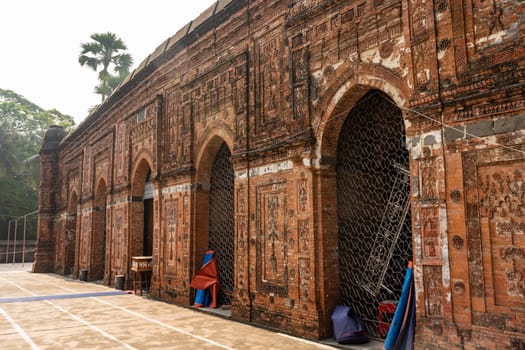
(401, 332)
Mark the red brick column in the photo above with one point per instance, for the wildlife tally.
(45, 249)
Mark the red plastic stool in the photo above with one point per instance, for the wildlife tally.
(385, 313)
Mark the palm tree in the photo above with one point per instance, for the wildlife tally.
(104, 51)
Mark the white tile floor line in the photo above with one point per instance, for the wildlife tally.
(142, 317)
(176, 329)
(19, 330)
(323, 346)
(306, 341)
(90, 325)
(74, 317)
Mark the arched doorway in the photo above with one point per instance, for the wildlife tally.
(221, 222)
(71, 235)
(98, 243)
(142, 211)
(374, 225)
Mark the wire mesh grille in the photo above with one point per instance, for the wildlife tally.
(221, 224)
(373, 210)
(19, 242)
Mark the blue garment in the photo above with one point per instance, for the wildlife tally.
(401, 332)
(203, 297)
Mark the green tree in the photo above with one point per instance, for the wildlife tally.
(22, 128)
(105, 51)
(8, 161)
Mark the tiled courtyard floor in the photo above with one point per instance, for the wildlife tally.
(47, 311)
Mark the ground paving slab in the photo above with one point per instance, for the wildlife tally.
(47, 311)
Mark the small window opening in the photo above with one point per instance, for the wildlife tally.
(141, 115)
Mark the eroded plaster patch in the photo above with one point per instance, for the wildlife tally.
(265, 170)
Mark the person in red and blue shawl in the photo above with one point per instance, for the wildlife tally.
(206, 281)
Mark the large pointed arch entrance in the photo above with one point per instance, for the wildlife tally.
(373, 210)
(98, 242)
(142, 212)
(215, 227)
(142, 216)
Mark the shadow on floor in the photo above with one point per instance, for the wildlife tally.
(223, 311)
(371, 345)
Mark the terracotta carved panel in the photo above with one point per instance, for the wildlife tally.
(299, 7)
(496, 22)
(122, 152)
(495, 225)
(171, 232)
(272, 237)
(430, 232)
(304, 279)
(241, 201)
(501, 191)
(418, 20)
(175, 124)
(85, 235)
(303, 227)
(86, 176)
(185, 226)
(300, 73)
(117, 239)
(219, 89)
(242, 242)
(428, 170)
(433, 291)
(302, 196)
(268, 81)
(422, 64)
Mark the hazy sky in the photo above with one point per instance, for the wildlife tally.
(40, 43)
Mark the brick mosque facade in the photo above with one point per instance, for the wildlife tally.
(314, 144)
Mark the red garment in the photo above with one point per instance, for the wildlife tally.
(207, 277)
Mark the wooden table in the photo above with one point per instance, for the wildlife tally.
(141, 266)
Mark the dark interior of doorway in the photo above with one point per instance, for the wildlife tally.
(147, 249)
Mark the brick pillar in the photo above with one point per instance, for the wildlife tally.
(45, 248)
(326, 245)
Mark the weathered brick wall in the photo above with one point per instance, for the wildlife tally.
(275, 80)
